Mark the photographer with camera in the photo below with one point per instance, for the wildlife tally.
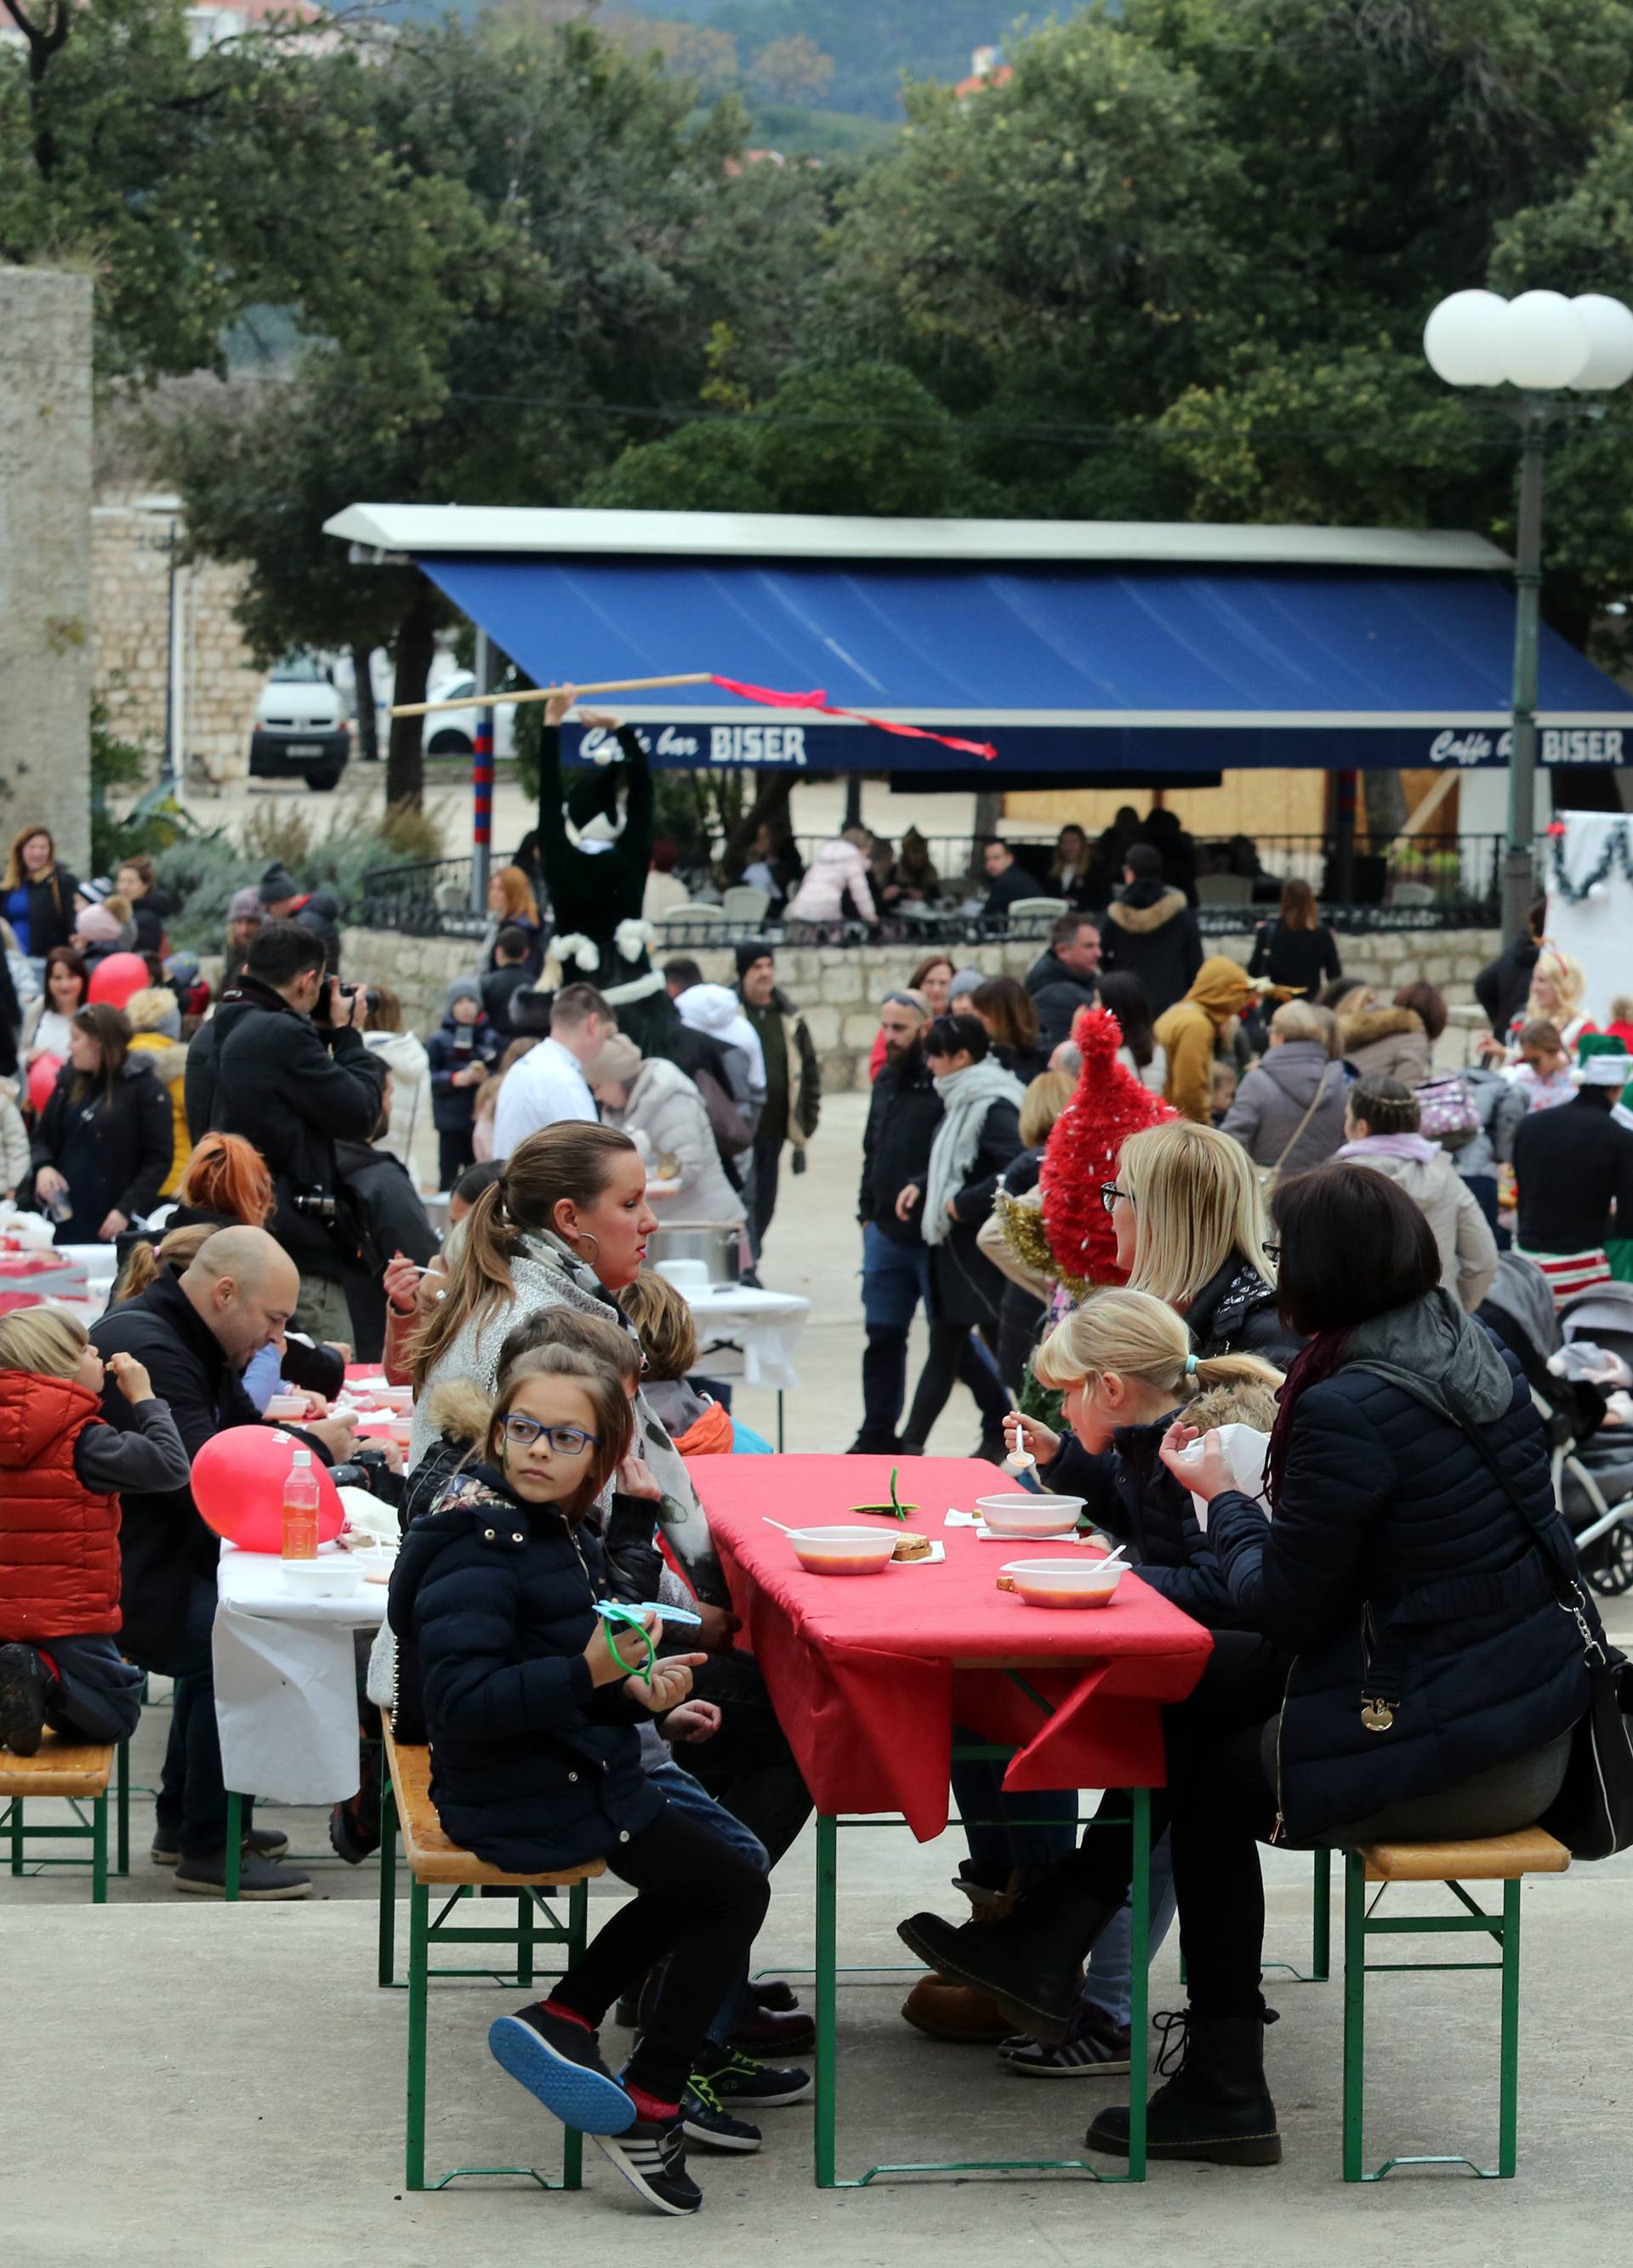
(294, 1076)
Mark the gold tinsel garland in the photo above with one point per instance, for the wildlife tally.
(1021, 1226)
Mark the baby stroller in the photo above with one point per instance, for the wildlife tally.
(1593, 1463)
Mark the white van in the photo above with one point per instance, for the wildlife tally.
(300, 729)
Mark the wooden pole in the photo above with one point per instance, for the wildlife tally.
(549, 692)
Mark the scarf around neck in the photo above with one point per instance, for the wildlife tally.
(966, 1096)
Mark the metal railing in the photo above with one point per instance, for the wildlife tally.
(1426, 882)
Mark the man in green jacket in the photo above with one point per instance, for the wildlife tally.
(793, 1081)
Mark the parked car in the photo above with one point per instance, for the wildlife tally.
(453, 734)
(300, 729)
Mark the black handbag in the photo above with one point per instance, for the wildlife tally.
(1593, 1814)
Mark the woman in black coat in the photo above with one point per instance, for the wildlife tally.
(1415, 1677)
(1297, 949)
(978, 1135)
(105, 1140)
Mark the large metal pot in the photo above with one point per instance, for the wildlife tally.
(717, 1243)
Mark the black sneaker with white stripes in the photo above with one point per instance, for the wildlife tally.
(1094, 2048)
(651, 2159)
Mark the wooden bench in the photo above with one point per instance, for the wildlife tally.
(1505, 1858)
(76, 1774)
(436, 1862)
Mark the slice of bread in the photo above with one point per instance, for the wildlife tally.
(910, 1545)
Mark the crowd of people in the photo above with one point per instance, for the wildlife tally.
(1276, 1303)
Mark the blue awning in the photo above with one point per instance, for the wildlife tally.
(1071, 666)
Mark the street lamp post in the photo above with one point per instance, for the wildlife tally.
(1535, 348)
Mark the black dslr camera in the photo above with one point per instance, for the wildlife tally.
(320, 1014)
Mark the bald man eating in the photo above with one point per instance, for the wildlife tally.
(194, 1333)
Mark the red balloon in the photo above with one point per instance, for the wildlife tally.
(238, 1486)
(116, 978)
(41, 1079)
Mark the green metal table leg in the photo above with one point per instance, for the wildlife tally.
(524, 1937)
(17, 1834)
(121, 1801)
(1354, 2012)
(388, 1882)
(1508, 2113)
(234, 1844)
(1139, 1981)
(827, 1904)
(1321, 1945)
(418, 1979)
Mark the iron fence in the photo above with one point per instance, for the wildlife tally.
(1427, 882)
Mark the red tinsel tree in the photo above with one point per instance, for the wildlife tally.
(1084, 1147)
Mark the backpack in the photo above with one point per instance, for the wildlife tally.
(1449, 1114)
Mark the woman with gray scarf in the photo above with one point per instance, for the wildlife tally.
(978, 1135)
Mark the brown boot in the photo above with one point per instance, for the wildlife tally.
(955, 2013)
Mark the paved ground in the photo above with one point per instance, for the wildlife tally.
(186, 2081)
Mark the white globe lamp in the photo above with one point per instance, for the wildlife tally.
(1546, 343)
(1464, 339)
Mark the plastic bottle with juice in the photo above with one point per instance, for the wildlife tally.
(300, 1509)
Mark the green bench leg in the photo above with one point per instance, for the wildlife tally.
(578, 1932)
(17, 1834)
(418, 1981)
(1508, 2096)
(121, 1808)
(388, 1882)
(1354, 2012)
(524, 1937)
(98, 1850)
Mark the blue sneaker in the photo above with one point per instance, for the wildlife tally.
(560, 2062)
(705, 2120)
(740, 2083)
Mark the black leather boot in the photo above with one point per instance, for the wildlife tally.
(1031, 1963)
(1216, 2105)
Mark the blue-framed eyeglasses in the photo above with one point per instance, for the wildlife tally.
(565, 1441)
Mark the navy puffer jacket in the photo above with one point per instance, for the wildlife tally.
(531, 1766)
(1398, 1571)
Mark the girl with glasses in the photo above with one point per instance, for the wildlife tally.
(532, 1700)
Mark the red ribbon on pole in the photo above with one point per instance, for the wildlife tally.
(764, 697)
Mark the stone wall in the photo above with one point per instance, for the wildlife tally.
(839, 987)
(131, 540)
(45, 557)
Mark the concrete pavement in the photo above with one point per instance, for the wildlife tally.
(180, 2080)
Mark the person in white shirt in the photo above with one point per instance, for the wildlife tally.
(549, 1085)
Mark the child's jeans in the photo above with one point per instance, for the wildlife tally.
(689, 1795)
(95, 1695)
(700, 1901)
(1001, 1846)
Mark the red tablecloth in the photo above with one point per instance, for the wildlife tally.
(864, 1670)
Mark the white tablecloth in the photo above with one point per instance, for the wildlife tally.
(286, 1699)
(766, 1325)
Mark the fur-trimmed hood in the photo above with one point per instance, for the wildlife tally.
(1142, 920)
(459, 1409)
(1377, 1023)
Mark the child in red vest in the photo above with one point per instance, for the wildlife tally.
(61, 1469)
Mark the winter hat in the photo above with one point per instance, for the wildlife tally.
(96, 889)
(711, 1008)
(462, 988)
(1602, 1061)
(747, 954)
(154, 1009)
(245, 905)
(964, 981)
(98, 926)
(620, 1059)
(277, 884)
(181, 971)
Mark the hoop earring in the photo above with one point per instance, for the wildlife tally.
(587, 1236)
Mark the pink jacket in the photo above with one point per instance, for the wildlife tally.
(838, 866)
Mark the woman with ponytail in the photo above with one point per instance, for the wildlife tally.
(1125, 1364)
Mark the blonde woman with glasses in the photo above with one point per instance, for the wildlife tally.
(1190, 1225)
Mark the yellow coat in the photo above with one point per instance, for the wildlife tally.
(1187, 1030)
(169, 1067)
